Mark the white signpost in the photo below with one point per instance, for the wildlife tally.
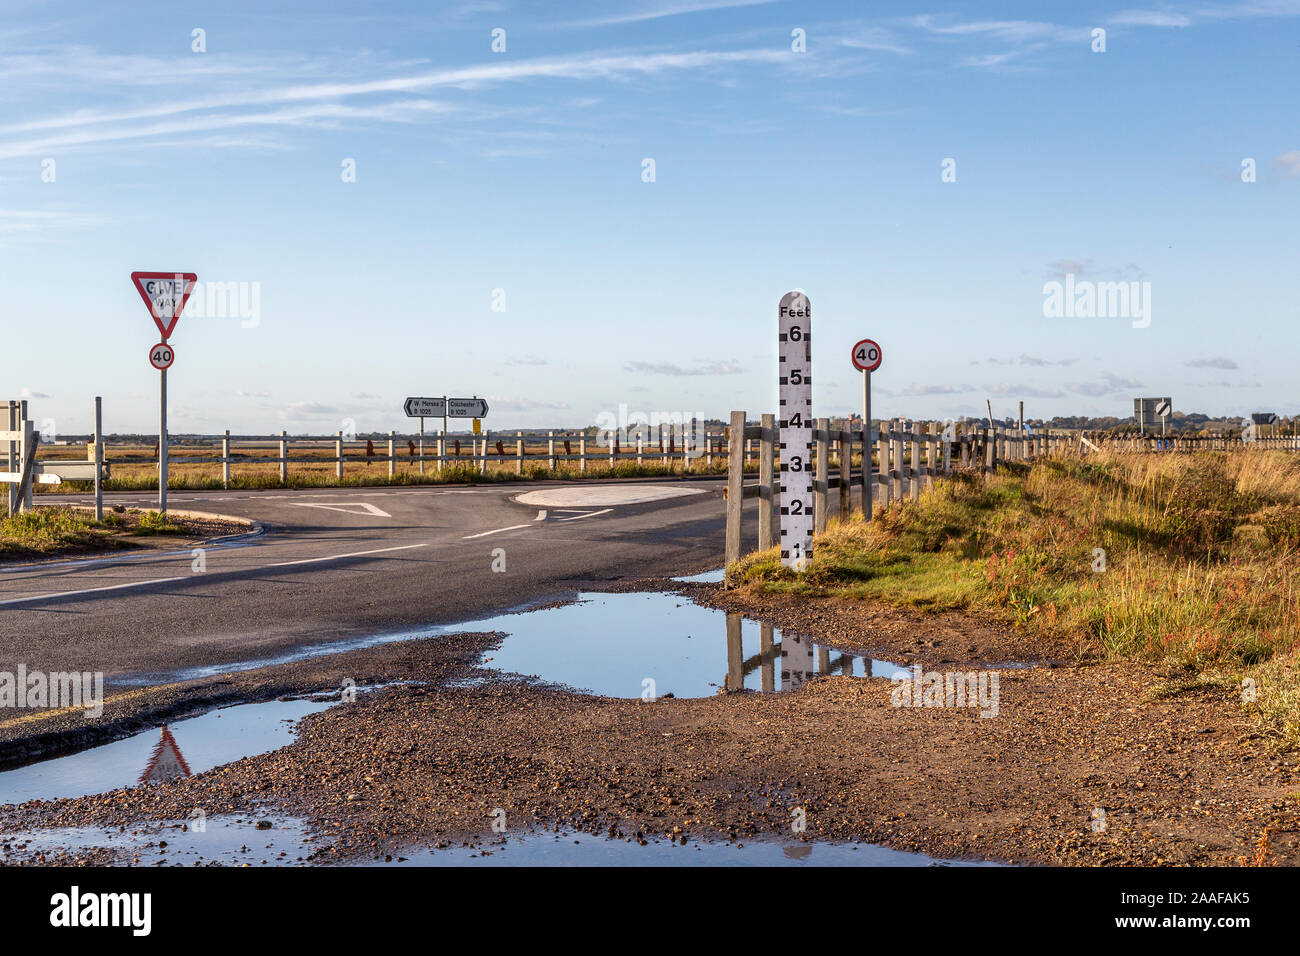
(446, 408)
(794, 347)
(426, 407)
(866, 356)
(466, 408)
(164, 295)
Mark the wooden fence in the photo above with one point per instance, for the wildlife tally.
(512, 451)
(1154, 443)
(902, 458)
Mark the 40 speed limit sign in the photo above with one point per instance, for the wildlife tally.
(161, 356)
(866, 355)
(794, 350)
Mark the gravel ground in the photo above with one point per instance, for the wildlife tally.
(1183, 780)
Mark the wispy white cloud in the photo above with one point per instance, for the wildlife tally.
(1289, 163)
(666, 10)
(324, 115)
(1151, 18)
(671, 368)
(916, 390)
(28, 223)
(89, 126)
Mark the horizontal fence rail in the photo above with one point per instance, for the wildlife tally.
(900, 459)
(904, 457)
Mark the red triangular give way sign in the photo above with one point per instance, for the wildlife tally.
(165, 295)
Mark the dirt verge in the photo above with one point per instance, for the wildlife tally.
(1082, 765)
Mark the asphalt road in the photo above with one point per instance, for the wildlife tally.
(346, 563)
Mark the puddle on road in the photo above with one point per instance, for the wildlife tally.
(611, 644)
(585, 849)
(716, 576)
(227, 841)
(175, 750)
(237, 841)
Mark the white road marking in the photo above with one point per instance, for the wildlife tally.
(208, 574)
(484, 534)
(589, 514)
(541, 516)
(347, 508)
(594, 496)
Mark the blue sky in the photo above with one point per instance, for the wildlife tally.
(522, 171)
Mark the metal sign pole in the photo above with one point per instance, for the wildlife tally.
(99, 459)
(162, 440)
(867, 477)
(421, 444)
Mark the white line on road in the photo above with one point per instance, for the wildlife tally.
(191, 577)
(346, 507)
(484, 534)
(589, 514)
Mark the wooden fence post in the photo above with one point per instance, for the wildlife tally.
(931, 453)
(883, 446)
(915, 478)
(766, 488)
(846, 473)
(735, 485)
(821, 443)
(225, 458)
(582, 454)
(896, 459)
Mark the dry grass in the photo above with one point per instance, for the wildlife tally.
(1201, 559)
(43, 532)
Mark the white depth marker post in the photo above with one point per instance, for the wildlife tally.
(794, 346)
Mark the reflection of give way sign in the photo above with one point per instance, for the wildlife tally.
(161, 356)
(866, 355)
(165, 295)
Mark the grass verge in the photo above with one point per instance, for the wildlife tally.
(45, 532)
(1188, 561)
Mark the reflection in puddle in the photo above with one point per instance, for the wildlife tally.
(613, 644)
(166, 762)
(155, 756)
(238, 841)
